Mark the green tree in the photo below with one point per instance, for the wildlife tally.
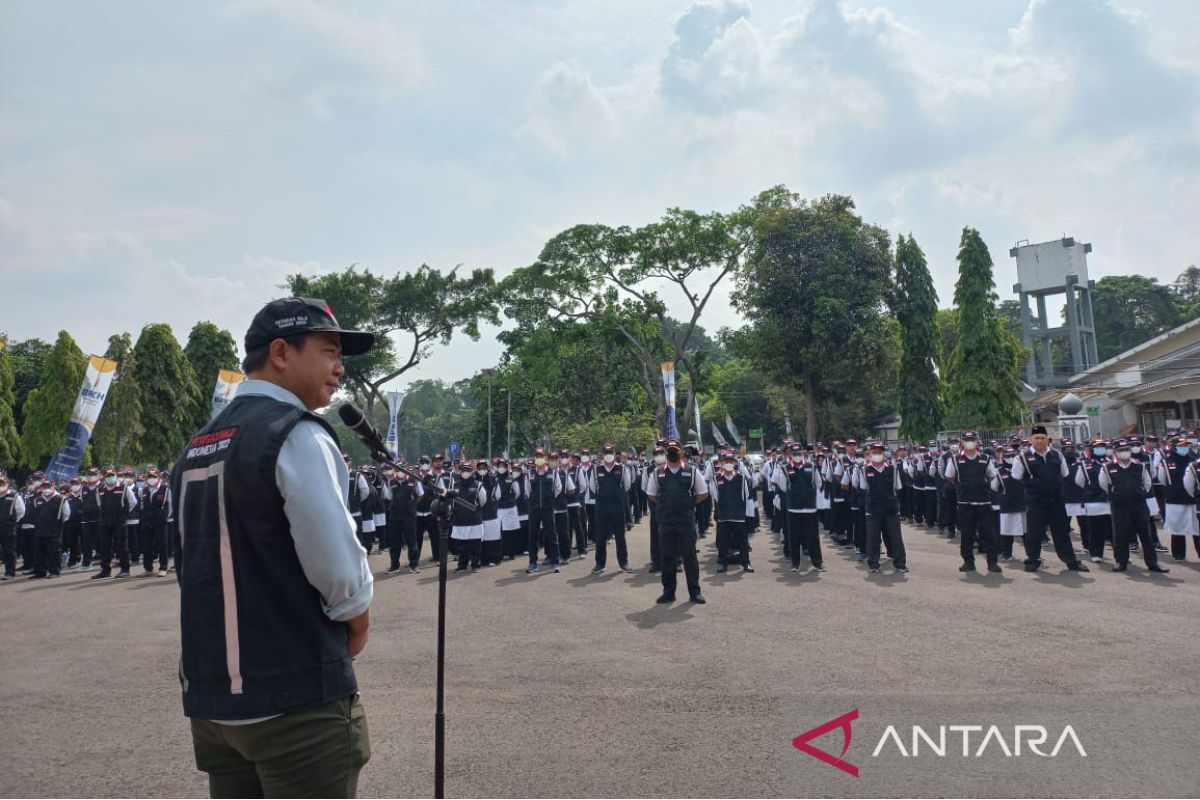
(168, 394)
(1128, 310)
(9, 439)
(423, 307)
(119, 429)
(915, 305)
(814, 294)
(27, 358)
(47, 410)
(982, 383)
(1186, 289)
(209, 349)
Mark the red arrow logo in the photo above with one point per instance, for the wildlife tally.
(801, 742)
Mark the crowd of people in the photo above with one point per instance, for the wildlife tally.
(558, 505)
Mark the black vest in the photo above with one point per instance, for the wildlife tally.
(610, 486)
(112, 503)
(676, 502)
(801, 494)
(1043, 483)
(404, 500)
(560, 502)
(1173, 491)
(1125, 491)
(881, 490)
(8, 512)
(541, 491)
(1092, 493)
(1012, 500)
(1071, 491)
(508, 491)
(91, 504)
(47, 525)
(468, 489)
(972, 478)
(731, 498)
(289, 654)
(154, 505)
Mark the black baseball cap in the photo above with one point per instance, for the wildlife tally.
(290, 316)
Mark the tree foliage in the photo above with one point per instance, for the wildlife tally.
(982, 383)
(119, 429)
(408, 312)
(26, 358)
(814, 295)
(1128, 310)
(47, 410)
(918, 388)
(9, 438)
(168, 392)
(209, 349)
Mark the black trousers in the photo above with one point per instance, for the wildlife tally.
(154, 543)
(931, 507)
(802, 538)
(948, 513)
(133, 539)
(839, 515)
(113, 540)
(47, 555)
(541, 531)
(72, 534)
(88, 530)
(975, 523)
(1099, 531)
(1126, 525)
(678, 543)
(562, 525)
(731, 536)
(575, 522)
(8, 551)
(402, 536)
(879, 526)
(589, 519)
(428, 524)
(469, 551)
(1038, 518)
(610, 522)
(655, 543)
(858, 528)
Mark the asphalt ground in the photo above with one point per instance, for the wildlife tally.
(576, 685)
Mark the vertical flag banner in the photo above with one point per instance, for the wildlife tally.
(668, 380)
(717, 435)
(733, 431)
(65, 463)
(699, 430)
(227, 381)
(394, 399)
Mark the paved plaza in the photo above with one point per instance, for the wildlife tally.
(579, 685)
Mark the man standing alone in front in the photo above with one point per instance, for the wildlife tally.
(275, 587)
(676, 489)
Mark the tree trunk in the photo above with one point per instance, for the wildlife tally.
(810, 409)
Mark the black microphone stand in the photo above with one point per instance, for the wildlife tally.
(442, 504)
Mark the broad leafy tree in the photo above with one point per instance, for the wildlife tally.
(169, 394)
(1128, 310)
(209, 349)
(982, 383)
(918, 390)
(119, 429)
(9, 438)
(47, 410)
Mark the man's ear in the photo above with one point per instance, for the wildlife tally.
(277, 354)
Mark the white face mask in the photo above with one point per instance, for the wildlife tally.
(152, 483)
(465, 474)
(587, 459)
(970, 446)
(93, 482)
(660, 459)
(728, 468)
(424, 468)
(502, 470)
(1124, 455)
(1137, 450)
(858, 460)
(48, 491)
(877, 458)
(609, 458)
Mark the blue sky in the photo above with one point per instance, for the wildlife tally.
(169, 162)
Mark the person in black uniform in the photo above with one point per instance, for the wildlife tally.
(427, 524)
(1042, 468)
(28, 522)
(675, 489)
(401, 492)
(1127, 483)
(731, 491)
(156, 508)
(50, 511)
(799, 482)
(116, 502)
(73, 528)
(970, 474)
(610, 487)
(879, 481)
(89, 519)
(542, 486)
(12, 509)
(575, 524)
(660, 458)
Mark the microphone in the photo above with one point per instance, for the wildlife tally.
(354, 419)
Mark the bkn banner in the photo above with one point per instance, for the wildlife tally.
(65, 463)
